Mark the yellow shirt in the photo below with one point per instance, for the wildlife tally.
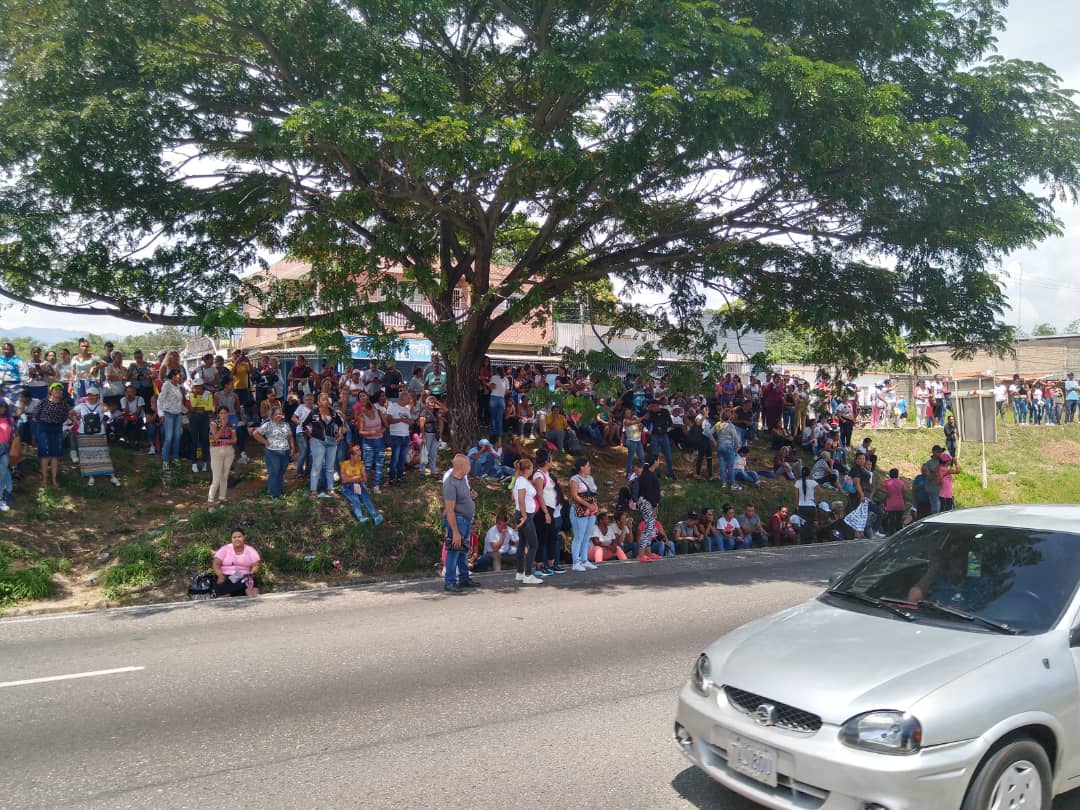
(201, 402)
(556, 421)
(349, 470)
(241, 375)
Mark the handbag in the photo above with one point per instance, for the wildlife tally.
(590, 499)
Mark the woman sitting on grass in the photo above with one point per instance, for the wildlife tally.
(354, 486)
(235, 565)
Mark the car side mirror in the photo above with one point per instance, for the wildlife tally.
(1074, 637)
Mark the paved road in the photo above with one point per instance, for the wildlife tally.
(395, 696)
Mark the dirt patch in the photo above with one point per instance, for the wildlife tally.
(1061, 452)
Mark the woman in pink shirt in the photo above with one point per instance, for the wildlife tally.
(894, 502)
(236, 565)
(946, 471)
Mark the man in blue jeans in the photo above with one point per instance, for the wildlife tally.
(458, 513)
(1072, 397)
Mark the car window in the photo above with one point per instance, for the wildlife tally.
(1023, 578)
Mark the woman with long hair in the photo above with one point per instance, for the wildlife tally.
(583, 511)
(549, 523)
(526, 503)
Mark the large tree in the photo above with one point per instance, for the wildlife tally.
(851, 168)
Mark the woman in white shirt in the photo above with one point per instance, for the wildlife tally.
(170, 407)
(805, 490)
(525, 501)
(497, 389)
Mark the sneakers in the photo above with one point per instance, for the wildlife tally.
(589, 566)
(469, 583)
(532, 581)
(205, 467)
(578, 567)
(646, 558)
(736, 488)
(114, 481)
(90, 482)
(550, 572)
(244, 458)
(519, 577)
(451, 589)
(336, 478)
(375, 490)
(362, 519)
(427, 473)
(164, 466)
(3, 506)
(194, 467)
(558, 569)
(75, 457)
(379, 519)
(539, 572)
(150, 452)
(324, 495)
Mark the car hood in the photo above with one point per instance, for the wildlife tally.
(838, 663)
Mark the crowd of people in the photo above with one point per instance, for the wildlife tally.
(351, 434)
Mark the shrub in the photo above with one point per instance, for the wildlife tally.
(21, 584)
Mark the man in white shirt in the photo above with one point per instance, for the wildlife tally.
(399, 415)
(1001, 397)
(500, 546)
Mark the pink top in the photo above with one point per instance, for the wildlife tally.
(946, 481)
(233, 563)
(7, 431)
(894, 487)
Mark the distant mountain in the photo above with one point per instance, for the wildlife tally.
(47, 336)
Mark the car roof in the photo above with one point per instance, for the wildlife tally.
(1050, 517)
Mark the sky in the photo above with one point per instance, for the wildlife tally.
(1042, 284)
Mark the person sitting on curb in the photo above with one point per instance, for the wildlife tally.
(750, 525)
(605, 540)
(689, 538)
(500, 546)
(235, 565)
(730, 530)
(780, 530)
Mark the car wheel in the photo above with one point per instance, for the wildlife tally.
(1015, 777)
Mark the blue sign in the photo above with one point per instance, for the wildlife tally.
(408, 351)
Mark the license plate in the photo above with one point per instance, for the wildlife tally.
(753, 759)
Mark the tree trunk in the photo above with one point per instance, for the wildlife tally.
(461, 389)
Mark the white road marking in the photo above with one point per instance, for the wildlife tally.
(71, 677)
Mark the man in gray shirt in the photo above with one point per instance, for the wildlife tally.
(751, 527)
(458, 513)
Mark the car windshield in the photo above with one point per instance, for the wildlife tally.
(985, 577)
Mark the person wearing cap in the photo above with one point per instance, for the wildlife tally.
(1072, 397)
(94, 459)
(200, 412)
(931, 470)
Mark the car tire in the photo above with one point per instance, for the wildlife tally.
(1021, 764)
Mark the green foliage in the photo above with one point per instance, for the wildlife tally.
(22, 584)
(849, 167)
(167, 337)
(1043, 330)
(195, 557)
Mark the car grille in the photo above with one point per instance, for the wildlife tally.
(786, 716)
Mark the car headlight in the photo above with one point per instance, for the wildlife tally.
(702, 675)
(883, 732)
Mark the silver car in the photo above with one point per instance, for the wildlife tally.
(941, 672)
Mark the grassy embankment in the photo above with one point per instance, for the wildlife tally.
(87, 547)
